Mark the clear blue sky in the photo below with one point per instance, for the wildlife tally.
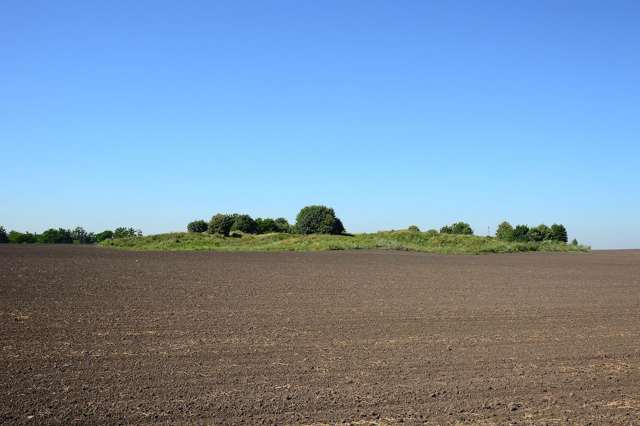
(153, 113)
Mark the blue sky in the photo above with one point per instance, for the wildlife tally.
(153, 113)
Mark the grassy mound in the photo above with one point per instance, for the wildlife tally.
(392, 240)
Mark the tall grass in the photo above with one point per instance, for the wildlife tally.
(388, 240)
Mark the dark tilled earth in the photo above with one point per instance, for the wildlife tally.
(90, 335)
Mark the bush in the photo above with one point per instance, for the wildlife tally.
(221, 224)
(16, 237)
(505, 232)
(123, 232)
(104, 235)
(244, 223)
(458, 228)
(521, 233)
(4, 238)
(56, 236)
(559, 233)
(198, 226)
(318, 220)
(413, 228)
(574, 242)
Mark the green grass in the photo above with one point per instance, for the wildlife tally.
(390, 240)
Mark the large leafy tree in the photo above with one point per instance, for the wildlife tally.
(244, 223)
(540, 233)
(459, 228)
(198, 226)
(521, 233)
(56, 236)
(80, 236)
(559, 233)
(268, 225)
(505, 231)
(221, 224)
(104, 235)
(318, 220)
(123, 232)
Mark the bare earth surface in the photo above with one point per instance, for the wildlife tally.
(89, 335)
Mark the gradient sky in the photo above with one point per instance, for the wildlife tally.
(154, 113)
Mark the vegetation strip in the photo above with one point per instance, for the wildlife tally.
(317, 228)
(429, 242)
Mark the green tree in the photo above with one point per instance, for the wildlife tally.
(244, 223)
(318, 220)
(56, 236)
(447, 229)
(123, 232)
(559, 233)
(413, 228)
(4, 238)
(16, 237)
(266, 225)
(574, 242)
(282, 225)
(540, 233)
(221, 224)
(198, 226)
(104, 235)
(521, 233)
(505, 231)
(458, 228)
(80, 236)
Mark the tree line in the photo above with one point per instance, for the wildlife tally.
(315, 219)
(506, 232)
(65, 236)
(555, 232)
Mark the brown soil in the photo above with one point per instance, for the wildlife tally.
(90, 335)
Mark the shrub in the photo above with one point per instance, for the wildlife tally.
(505, 231)
(521, 233)
(574, 242)
(244, 223)
(104, 235)
(4, 238)
(458, 228)
(56, 236)
(318, 220)
(413, 228)
(198, 226)
(221, 224)
(559, 233)
(16, 237)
